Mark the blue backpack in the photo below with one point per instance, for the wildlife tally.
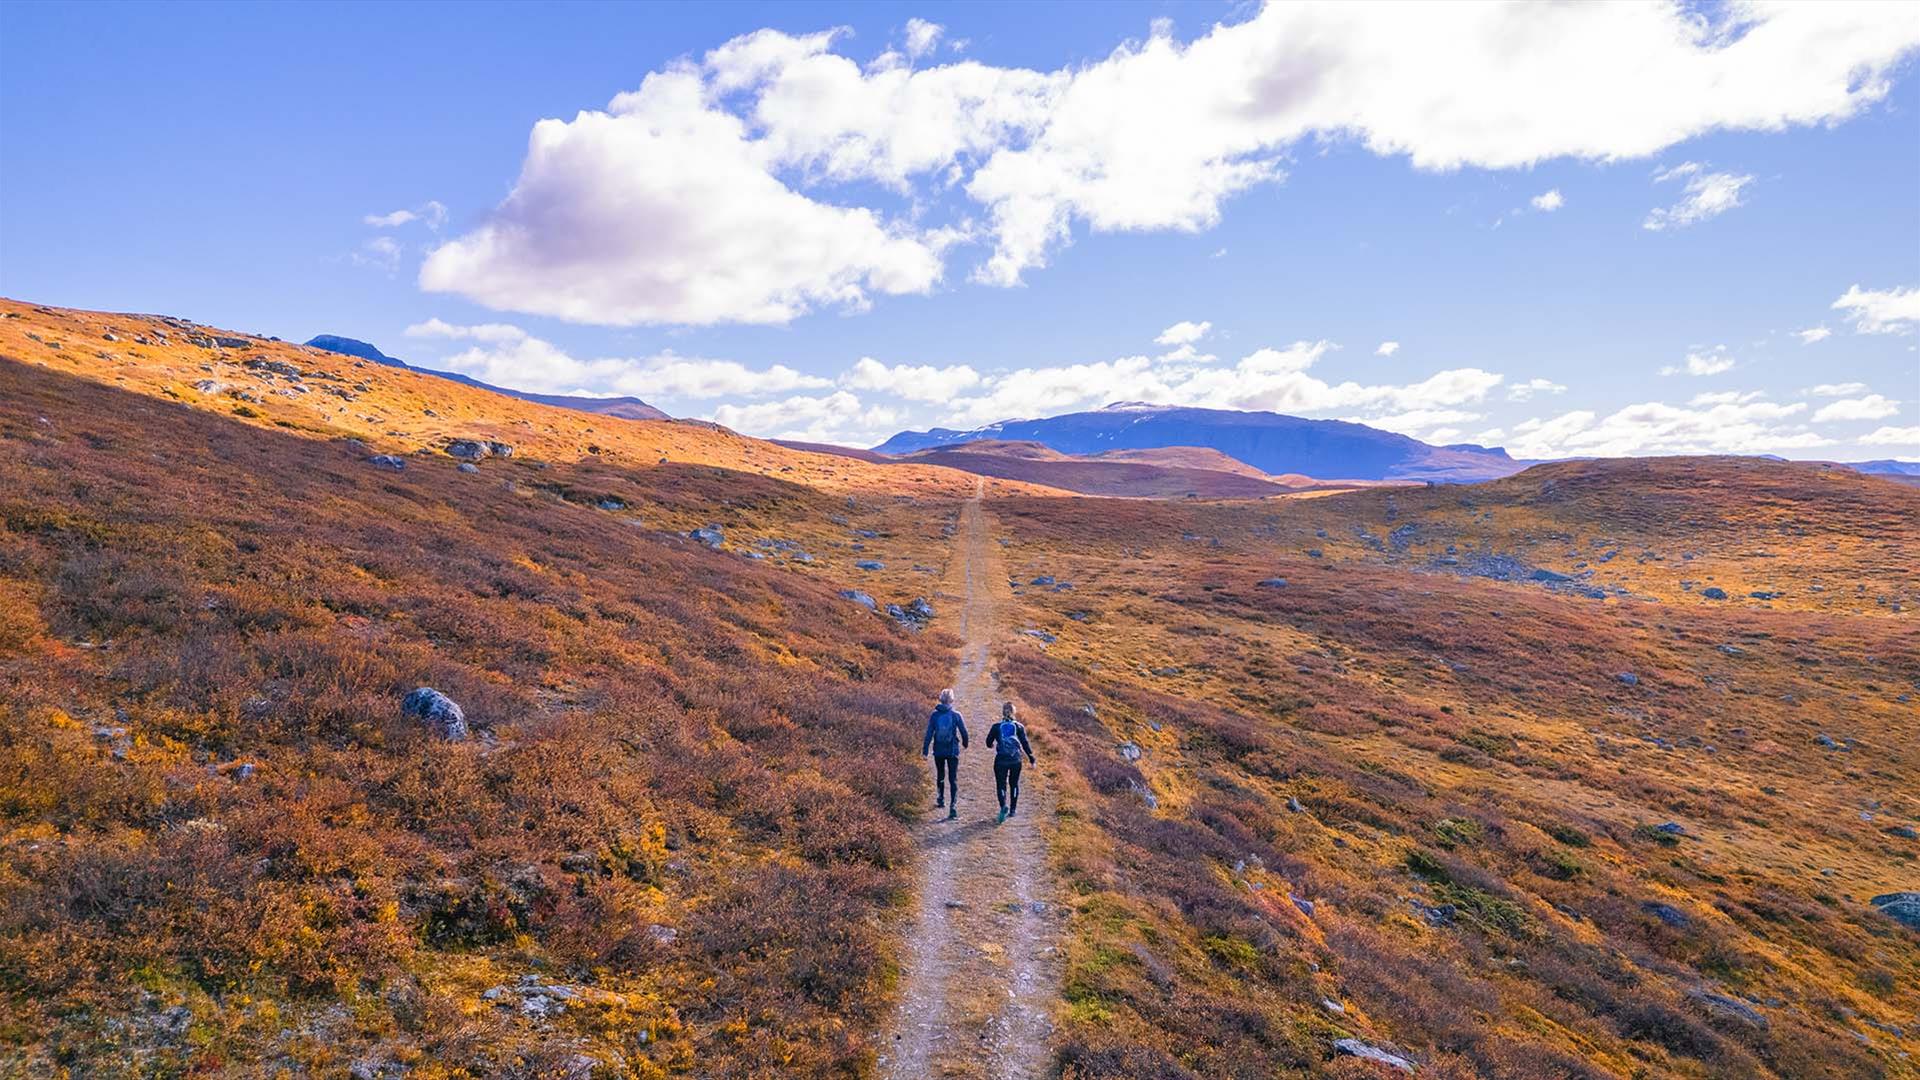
(946, 731)
(1007, 744)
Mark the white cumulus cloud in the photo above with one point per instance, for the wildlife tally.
(1906, 437)
(922, 36)
(1751, 427)
(746, 185)
(1702, 362)
(1844, 389)
(839, 417)
(1183, 333)
(1548, 201)
(1880, 311)
(1812, 334)
(1387, 348)
(506, 355)
(1707, 195)
(922, 382)
(1526, 390)
(1870, 407)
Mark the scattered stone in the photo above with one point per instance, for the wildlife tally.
(439, 711)
(1305, 906)
(956, 905)
(278, 367)
(468, 449)
(580, 862)
(1130, 751)
(468, 467)
(711, 535)
(1729, 1006)
(1333, 1006)
(860, 598)
(1367, 1052)
(387, 461)
(1901, 906)
(1436, 916)
(1764, 595)
(1904, 832)
(1714, 592)
(1313, 553)
(1166, 672)
(210, 386)
(1274, 583)
(611, 502)
(914, 616)
(1146, 794)
(1668, 914)
(662, 935)
(870, 564)
(1294, 807)
(1041, 635)
(1041, 580)
(1671, 828)
(1825, 740)
(1629, 678)
(1732, 650)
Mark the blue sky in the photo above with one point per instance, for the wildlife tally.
(1590, 230)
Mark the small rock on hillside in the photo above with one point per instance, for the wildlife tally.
(1366, 1052)
(438, 711)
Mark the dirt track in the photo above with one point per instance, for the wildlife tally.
(980, 970)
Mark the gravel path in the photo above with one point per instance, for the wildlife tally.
(981, 966)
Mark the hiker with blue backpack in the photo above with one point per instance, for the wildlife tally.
(1009, 740)
(946, 736)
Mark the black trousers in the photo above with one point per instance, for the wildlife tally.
(946, 778)
(1006, 782)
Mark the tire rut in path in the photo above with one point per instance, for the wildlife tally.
(980, 966)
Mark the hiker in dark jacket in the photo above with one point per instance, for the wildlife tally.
(1009, 738)
(946, 736)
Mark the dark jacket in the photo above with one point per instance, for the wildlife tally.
(946, 732)
(1012, 746)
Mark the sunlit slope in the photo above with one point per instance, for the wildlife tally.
(1541, 825)
(226, 849)
(320, 394)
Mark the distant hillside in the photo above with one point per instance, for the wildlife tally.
(1269, 442)
(1886, 467)
(1155, 476)
(627, 408)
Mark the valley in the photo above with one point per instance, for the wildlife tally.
(1590, 770)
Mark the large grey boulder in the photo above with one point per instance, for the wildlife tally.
(438, 711)
(1365, 1052)
(1901, 906)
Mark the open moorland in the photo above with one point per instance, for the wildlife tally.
(1592, 771)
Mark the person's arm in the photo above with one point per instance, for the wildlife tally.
(1024, 744)
(993, 735)
(960, 722)
(926, 741)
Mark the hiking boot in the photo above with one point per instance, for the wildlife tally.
(1003, 817)
(953, 814)
(940, 803)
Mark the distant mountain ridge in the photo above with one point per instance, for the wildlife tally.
(1273, 443)
(627, 408)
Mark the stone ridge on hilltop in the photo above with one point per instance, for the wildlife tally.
(627, 408)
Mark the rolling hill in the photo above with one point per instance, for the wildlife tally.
(1269, 442)
(627, 408)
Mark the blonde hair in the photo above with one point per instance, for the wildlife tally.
(946, 697)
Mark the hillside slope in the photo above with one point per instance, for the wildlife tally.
(227, 849)
(627, 408)
(1099, 475)
(1484, 777)
(1269, 442)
